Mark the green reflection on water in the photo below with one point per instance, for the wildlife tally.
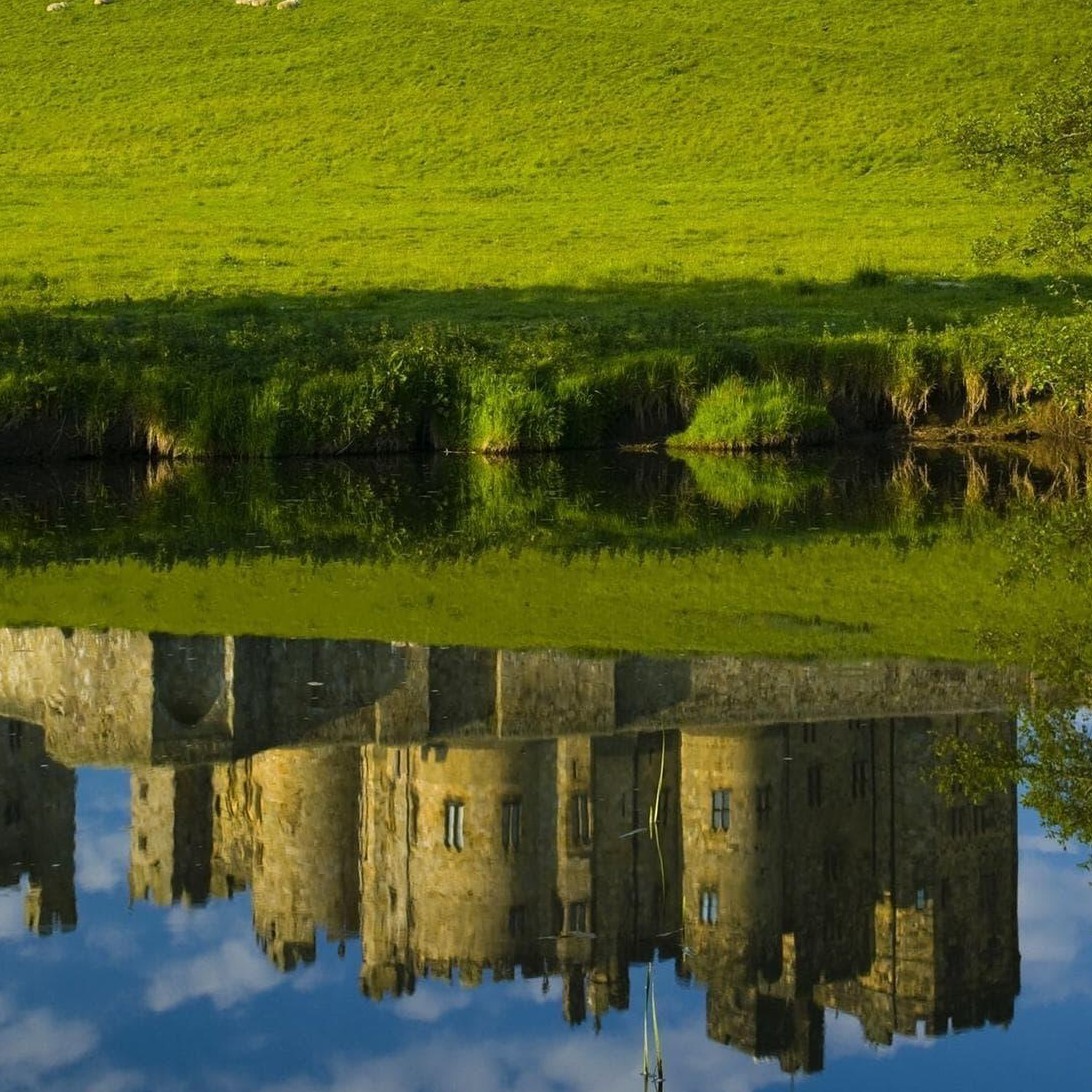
(842, 556)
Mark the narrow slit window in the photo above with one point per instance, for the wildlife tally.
(710, 907)
(579, 819)
(577, 915)
(511, 819)
(453, 824)
(860, 778)
(764, 804)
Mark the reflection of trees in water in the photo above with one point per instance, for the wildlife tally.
(453, 507)
(1051, 753)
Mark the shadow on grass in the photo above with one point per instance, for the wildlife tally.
(657, 310)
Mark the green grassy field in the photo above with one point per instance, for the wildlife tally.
(821, 598)
(154, 147)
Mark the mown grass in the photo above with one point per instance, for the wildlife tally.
(871, 599)
(160, 147)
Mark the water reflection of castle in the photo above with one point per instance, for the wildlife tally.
(463, 810)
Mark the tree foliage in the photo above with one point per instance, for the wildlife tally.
(1044, 147)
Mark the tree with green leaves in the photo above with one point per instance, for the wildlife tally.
(1044, 148)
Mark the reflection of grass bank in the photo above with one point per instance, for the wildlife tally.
(768, 483)
(823, 597)
(449, 508)
(502, 371)
(838, 556)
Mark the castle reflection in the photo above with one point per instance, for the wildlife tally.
(769, 826)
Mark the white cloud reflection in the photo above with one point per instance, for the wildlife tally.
(550, 1059)
(229, 974)
(36, 1044)
(1055, 924)
(12, 920)
(102, 860)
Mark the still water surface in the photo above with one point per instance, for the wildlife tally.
(260, 862)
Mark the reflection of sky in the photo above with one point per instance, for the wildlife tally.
(141, 997)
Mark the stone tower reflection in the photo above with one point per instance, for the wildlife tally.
(834, 877)
(37, 827)
(795, 868)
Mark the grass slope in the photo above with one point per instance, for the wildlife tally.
(160, 146)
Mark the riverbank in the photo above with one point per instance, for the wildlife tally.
(501, 371)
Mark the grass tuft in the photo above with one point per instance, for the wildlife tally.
(869, 275)
(737, 416)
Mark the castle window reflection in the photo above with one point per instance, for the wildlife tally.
(763, 804)
(579, 819)
(453, 824)
(511, 813)
(860, 778)
(815, 785)
(722, 809)
(710, 907)
(576, 917)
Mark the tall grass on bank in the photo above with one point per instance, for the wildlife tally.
(206, 380)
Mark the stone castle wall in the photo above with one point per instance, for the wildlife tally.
(115, 697)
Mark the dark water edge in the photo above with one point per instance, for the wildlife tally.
(446, 506)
